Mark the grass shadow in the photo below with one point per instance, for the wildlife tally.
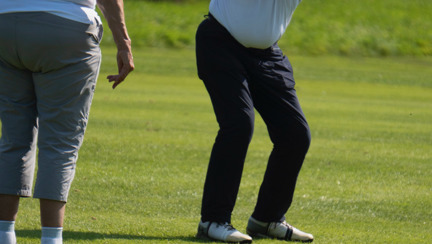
(79, 235)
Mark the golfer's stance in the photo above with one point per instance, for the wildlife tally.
(243, 68)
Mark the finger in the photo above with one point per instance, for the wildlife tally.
(124, 72)
(116, 84)
(114, 78)
(111, 78)
(117, 79)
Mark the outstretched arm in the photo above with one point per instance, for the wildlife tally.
(114, 14)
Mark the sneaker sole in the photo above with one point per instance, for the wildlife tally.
(207, 238)
(263, 236)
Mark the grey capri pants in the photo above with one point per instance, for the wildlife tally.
(48, 71)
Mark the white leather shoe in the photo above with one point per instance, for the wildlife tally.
(221, 232)
(279, 230)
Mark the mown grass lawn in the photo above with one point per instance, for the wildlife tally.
(366, 179)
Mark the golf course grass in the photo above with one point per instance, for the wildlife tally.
(366, 178)
(363, 73)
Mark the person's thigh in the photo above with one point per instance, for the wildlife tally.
(224, 76)
(18, 116)
(275, 98)
(65, 67)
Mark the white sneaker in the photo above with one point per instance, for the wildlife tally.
(221, 232)
(279, 230)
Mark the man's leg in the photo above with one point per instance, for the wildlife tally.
(291, 139)
(225, 80)
(227, 86)
(236, 119)
(272, 87)
(18, 141)
(19, 129)
(64, 92)
(276, 100)
(9, 207)
(52, 217)
(52, 213)
(64, 68)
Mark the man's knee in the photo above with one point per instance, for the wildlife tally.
(298, 139)
(238, 129)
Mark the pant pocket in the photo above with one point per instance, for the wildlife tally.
(96, 31)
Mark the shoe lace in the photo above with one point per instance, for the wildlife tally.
(289, 232)
(226, 225)
(284, 223)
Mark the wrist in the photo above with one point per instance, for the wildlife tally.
(124, 45)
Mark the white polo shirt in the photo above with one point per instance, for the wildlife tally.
(254, 23)
(78, 10)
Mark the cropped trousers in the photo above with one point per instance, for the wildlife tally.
(239, 80)
(48, 71)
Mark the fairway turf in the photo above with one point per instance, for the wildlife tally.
(366, 179)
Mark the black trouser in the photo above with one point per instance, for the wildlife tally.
(239, 79)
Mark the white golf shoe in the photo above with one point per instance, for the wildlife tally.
(221, 232)
(279, 230)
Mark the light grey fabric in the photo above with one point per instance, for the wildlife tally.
(48, 71)
(87, 3)
(254, 23)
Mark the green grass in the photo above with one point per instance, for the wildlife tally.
(366, 179)
(343, 27)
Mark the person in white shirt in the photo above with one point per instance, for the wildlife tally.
(49, 64)
(243, 68)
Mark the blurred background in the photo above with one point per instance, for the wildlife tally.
(319, 27)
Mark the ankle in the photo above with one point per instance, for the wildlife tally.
(261, 223)
(7, 232)
(7, 225)
(52, 235)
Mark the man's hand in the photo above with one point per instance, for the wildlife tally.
(125, 65)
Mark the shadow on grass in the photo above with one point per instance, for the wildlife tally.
(78, 235)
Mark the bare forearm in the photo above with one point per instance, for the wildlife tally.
(113, 12)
